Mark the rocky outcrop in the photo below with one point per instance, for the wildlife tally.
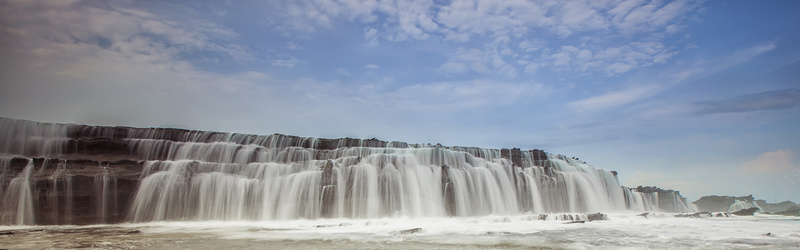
(668, 200)
(716, 203)
(776, 207)
(746, 211)
(596, 216)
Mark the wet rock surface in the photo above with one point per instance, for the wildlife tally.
(408, 231)
(92, 237)
(746, 212)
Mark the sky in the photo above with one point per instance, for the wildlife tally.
(697, 96)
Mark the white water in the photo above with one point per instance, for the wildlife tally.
(742, 204)
(621, 231)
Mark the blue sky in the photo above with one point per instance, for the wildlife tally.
(697, 96)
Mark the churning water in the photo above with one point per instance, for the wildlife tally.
(621, 231)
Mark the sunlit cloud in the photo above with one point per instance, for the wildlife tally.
(768, 162)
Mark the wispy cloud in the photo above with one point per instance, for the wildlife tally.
(614, 99)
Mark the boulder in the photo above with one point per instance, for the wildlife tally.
(596, 216)
(408, 231)
(746, 212)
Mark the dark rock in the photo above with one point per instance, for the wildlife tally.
(448, 191)
(409, 231)
(746, 212)
(575, 222)
(643, 214)
(134, 232)
(542, 217)
(6, 233)
(329, 186)
(694, 215)
(514, 154)
(596, 216)
(769, 234)
(343, 224)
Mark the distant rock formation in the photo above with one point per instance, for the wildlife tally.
(745, 205)
(716, 203)
(790, 212)
(777, 207)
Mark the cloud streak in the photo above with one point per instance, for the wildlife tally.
(770, 100)
(615, 98)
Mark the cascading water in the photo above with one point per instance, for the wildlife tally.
(742, 204)
(105, 187)
(17, 207)
(196, 175)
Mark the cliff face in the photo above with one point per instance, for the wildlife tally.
(81, 174)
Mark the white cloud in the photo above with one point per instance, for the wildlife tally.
(614, 99)
(464, 19)
(611, 60)
(372, 66)
(486, 61)
(768, 162)
(293, 46)
(283, 61)
(371, 35)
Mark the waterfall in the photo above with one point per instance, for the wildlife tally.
(173, 174)
(742, 204)
(105, 187)
(18, 200)
(60, 181)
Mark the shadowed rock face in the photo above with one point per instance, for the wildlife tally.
(81, 174)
